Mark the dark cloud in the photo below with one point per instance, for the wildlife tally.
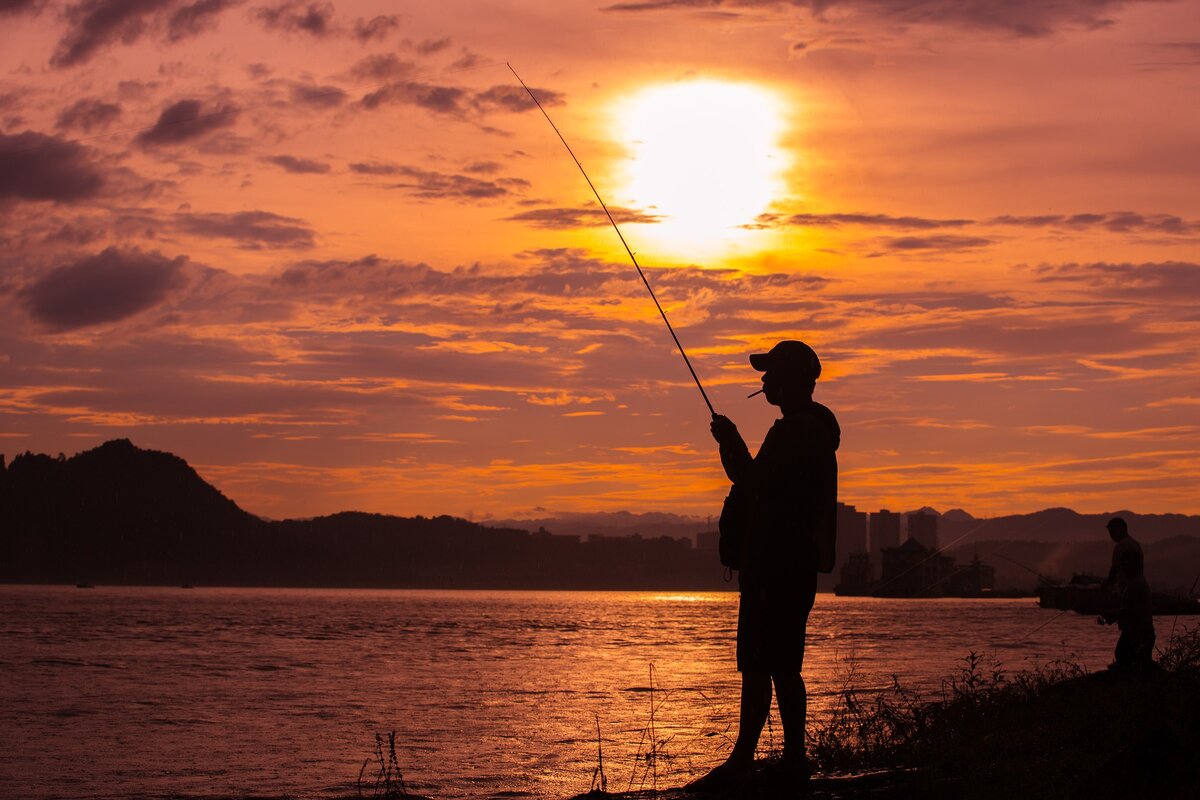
(17, 6)
(186, 120)
(1020, 18)
(482, 168)
(91, 24)
(295, 16)
(439, 99)
(1115, 221)
(1173, 281)
(195, 18)
(1174, 54)
(376, 28)
(903, 302)
(87, 115)
(467, 60)
(34, 166)
(431, 46)
(430, 185)
(250, 229)
(10, 100)
(859, 219)
(456, 101)
(326, 96)
(514, 98)
(136, 90)
(382, 67)
(109, 286)
(944, 243)
(298, 166)
(581, 217)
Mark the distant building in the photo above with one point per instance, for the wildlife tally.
(975, 578)
(913, 570)
(855, 576)
(708, 540)
(851, 530)
(922, 526)
(884, 531)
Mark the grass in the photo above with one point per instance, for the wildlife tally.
(389, 781)
(1055, 732)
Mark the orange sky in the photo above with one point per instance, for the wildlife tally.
(325, 251)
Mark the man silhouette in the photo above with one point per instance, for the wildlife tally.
(1133, 614)
(1124, 548)
(789, 536)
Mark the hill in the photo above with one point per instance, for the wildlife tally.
(1062, 525)
(120, 514)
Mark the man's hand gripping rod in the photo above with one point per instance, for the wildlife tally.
(632, 258)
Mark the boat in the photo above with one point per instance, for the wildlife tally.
(1083, 595)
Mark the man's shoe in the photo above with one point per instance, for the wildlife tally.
(720, 779)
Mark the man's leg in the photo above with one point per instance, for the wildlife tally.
(756, 704)
(1124, 653)
(792, 697)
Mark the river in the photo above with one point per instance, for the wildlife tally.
(131, 692)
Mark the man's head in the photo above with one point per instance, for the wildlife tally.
(1118, 529)
(790, 371)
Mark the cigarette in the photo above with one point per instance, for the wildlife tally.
(760, 391)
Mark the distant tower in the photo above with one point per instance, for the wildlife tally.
(922, 526)
(851, 530)
(885, 530)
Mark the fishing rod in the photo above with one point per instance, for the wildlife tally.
(621, 236)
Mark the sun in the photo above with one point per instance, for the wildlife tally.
(704, 156)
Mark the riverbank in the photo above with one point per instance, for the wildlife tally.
(1057, 732)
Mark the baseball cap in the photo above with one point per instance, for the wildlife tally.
(791, 356)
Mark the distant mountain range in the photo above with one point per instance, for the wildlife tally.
(121, 514)
(1050, 525)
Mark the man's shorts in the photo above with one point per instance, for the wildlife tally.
(771, 625)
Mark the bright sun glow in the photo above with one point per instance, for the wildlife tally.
(706, 156)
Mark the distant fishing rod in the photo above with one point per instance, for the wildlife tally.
(621, 236)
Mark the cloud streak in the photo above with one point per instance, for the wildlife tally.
(93, 25)
(1019, 18)
(186, 120)
(565, 218)
(431, 185)
(457, 101)
(87, 115)
(249, 229)
(298, 166)
(297, 16)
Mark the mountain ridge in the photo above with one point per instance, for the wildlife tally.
(118, 513)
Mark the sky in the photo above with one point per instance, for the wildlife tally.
(332, 255)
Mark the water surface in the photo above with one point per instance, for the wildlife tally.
(150, 692)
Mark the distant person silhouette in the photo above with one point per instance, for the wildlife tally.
(1134, 614)
(792, 486)
(1124, 547)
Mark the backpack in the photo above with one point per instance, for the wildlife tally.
(735, 519)
(734, 525)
